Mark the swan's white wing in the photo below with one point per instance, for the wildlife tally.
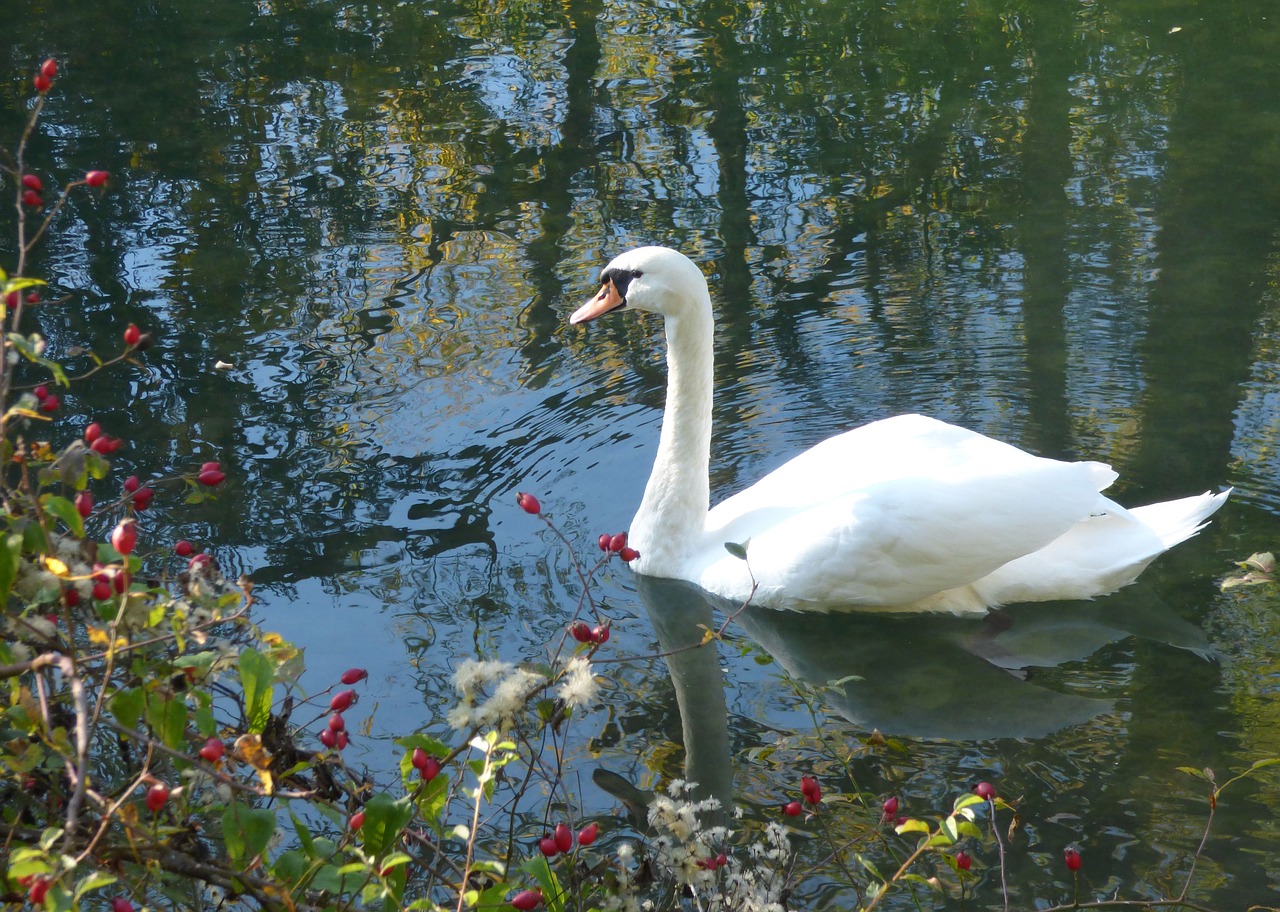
(892, 513)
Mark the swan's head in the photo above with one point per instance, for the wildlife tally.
(656, 279)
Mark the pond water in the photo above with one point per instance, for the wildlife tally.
(1055, 223)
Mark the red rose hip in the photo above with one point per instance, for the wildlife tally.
(157, 796)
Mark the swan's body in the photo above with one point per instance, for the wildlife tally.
(904, 513)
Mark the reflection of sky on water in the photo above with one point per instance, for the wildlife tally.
(1256, 447)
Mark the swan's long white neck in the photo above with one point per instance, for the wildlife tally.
(672, 517)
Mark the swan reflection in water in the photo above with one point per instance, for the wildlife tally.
(923, 676)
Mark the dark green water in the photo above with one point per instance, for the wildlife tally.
(1052, 222)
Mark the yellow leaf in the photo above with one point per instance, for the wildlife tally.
(56, 567)
(249, 749)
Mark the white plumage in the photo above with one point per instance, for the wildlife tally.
(907, 513)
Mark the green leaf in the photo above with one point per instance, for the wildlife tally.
(737, 550)
(968, 799)
(10, 556)
(384, 818)
(247, 832)
(206, 724)
(95, 881)
(950, 827)
(304, 836)
(167, 717)
(290, 866)
(552, 894)
(870, 866)
(327, 879)
(433, 799)
(127, 705)
(911, 826)
(64, 510)
(257, 677)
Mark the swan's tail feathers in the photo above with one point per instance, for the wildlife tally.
(1177, 520)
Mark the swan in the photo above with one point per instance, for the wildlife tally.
(906, 513)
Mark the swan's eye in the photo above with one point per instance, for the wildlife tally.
(621, 278)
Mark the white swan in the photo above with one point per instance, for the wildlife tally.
(905, 513)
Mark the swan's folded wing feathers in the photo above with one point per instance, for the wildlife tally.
(904, 527)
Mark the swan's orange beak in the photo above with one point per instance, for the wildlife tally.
(606, 299)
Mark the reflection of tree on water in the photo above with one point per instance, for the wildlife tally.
(926, 676)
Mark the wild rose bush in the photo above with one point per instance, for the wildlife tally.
(151, 752)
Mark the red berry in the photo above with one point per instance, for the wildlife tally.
(430, 769)
(42, 83)
(101, 445)
(121, 580)
(419, 758)
(890, 808)
(563, 837)
(810, 789)
(600, 634)
(41, 391)
(211, 477)
(337, 723)
(71, 597)
(581, 632)
(157, 795)
(618, 542)
(120, 904)
(124, 537)
(547, 846)
(356, 821)
(628, 554)
(354, 675)
(1072, 857)
(32, 199)
(49, 69)
(102, 590)
(113, 444)
(985, 790)
(84, 504)
(213, 750)
(132, 334)
(96, 178)
(33, 297)
(328, 738)
(587, 834)
(342, 740)
(92, 432)
(527, 899)
(131, 484)
(40, 886)
(792, 809)
(184, 548)
(528, 503)
(50, 403)
(963, 861)
(603, 541)
(31, 182)
(342, 700)
(142, 498)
